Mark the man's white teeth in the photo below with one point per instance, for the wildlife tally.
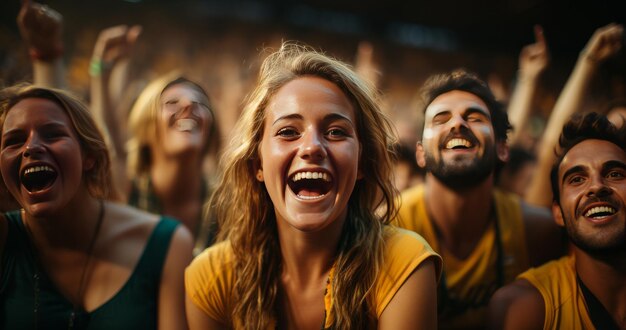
(185, 124)
(36, 169)
(311, 175)
(600, 210)
(458, 143)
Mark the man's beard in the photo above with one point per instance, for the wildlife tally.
(603, 249)
(462, 174)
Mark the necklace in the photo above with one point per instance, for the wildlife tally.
(81, 286)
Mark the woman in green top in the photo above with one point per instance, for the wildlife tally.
(71, 258)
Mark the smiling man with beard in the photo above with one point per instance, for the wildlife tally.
(486, 237)
(585, 290)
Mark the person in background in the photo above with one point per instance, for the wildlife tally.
(518, 171)
(71, 257)
(604, 44)
(587, 289)
(485, 236)
(303, 205)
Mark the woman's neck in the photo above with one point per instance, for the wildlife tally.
(175, 180)
(69, 227)
(308, 256)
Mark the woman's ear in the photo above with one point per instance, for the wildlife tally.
(88, 163)
(259, 175)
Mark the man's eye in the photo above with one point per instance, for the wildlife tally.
(576, 179)
(615, 174)
(475, 118)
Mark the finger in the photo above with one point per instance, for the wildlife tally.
(539, 36)
(133, 33)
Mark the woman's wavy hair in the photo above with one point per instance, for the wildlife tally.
(246, 212)
(143, 122)
(98, 178)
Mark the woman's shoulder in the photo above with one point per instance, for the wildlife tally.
(399, 238)
(214, 259)
(405, 247)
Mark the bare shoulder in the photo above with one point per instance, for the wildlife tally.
(518, 305)
(545, 239)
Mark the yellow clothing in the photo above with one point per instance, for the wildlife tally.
(471, 282)
(209, 280)
(564, 301)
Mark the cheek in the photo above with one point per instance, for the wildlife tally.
(428, 134)
(485, 130)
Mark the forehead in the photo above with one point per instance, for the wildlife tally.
(182, 90)
(455, 101)
(592, 154)
(309, 97)
(35, 111)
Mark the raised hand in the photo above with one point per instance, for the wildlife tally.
(534, 58)
(113, 44)
(41, 27)
(604, 43)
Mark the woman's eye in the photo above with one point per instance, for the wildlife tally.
(336, 132)
(8, 142)
(287, 132)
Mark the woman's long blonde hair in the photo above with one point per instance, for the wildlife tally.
(246, 212)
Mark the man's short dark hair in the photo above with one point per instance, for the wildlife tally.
(580, 128)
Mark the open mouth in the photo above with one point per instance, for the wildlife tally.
(37, 178)
(185, 125)
(310, 185)
(598, 212)
(459, 143)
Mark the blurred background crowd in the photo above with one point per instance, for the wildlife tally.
(220, 44)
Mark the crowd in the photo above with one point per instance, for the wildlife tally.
(316, 209)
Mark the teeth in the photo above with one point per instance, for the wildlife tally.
(458, 142)
(185, 124)
(600, 209)
(39, 169)
(311, 175)
(311, 197)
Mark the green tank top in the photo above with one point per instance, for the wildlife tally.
(134, 306)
